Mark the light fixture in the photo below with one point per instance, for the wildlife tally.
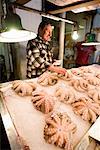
(91, 43)
(75, 35)
(13, 30)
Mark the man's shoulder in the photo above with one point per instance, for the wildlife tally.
(34, 42)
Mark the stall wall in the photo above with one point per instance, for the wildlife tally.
(30, 21)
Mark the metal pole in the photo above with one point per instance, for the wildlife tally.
(61, 40)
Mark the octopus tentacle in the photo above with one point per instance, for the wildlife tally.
(92, 115)
(52, 140)
(80, 110)
(49, 121)
(65, 119)
(50, 131)
(60, 140)
(15, 84)
(39, 103)
(36, 98)
(56, 119)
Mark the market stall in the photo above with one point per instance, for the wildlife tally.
(30, 109)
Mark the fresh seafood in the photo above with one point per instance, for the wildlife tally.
(65, 95)
(23, 88)
(48, 78)
(88, 109)
(59, 130)
(43, 102)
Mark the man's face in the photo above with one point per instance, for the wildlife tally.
(47, 32)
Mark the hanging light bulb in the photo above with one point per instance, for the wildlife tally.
(75, 35)
(13, 30)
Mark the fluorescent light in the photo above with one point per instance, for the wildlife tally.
(91, 43)
(50, 17)
(79, 10)
(57, 18)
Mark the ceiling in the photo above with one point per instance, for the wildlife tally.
(60, 6)
(77, 6)
(63, 2)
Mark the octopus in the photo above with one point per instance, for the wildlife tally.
(76, 72)
(67, 76)
(92, 80)
(59, 130)
(86, 69)
(94, 94)
(81, 71)
(43, 102)
(66, 96)
(80, 85)
(23, 88)
(87, 109)
(48, 78)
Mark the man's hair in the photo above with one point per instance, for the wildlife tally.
(87, 34)
(42, 25)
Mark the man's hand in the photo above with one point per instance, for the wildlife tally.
(57, 69)
(57, 63)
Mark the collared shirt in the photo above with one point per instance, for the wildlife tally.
(39, 57)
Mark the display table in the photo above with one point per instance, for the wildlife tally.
(24, 124)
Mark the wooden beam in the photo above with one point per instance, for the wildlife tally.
(85, 4)
(22, 2)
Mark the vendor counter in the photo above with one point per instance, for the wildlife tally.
(24, 124)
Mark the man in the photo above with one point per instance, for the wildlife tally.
(39, 53)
